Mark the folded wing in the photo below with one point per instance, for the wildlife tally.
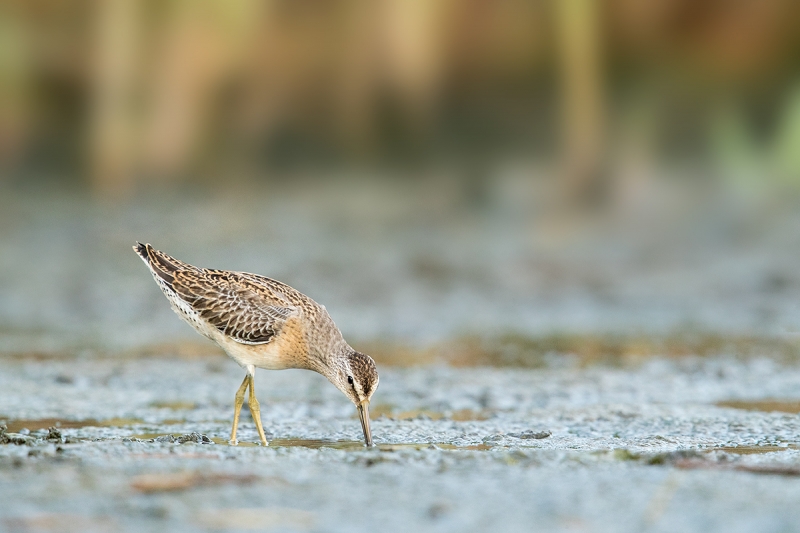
(233, 304)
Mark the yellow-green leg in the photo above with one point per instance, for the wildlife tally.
(237, 407)
(255, 412)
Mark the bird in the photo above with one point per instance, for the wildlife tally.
(263, 323)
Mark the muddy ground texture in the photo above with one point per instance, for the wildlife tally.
(141, 445)
(638, 372)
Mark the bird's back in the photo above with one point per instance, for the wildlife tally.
(255, 319)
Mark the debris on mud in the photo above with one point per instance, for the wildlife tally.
(530, 434)
(54, 435)
(15, 438)
(176, 439)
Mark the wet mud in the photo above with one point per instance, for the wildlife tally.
(126, 446)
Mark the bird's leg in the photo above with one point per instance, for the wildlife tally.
(255, 412)
(237, 408)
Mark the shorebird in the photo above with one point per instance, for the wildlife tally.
(263, 323)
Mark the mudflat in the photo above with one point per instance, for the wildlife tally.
(121, 444)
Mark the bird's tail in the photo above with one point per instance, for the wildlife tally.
(141, 249)
(160, 263)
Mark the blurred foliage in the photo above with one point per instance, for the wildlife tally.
(130, 91)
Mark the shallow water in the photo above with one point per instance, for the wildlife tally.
(749, 450)
(768, 405)
(14, 426)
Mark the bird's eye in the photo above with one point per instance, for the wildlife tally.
(350, 379)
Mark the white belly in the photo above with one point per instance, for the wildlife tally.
(265, 356)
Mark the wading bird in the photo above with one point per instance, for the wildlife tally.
(263, 323)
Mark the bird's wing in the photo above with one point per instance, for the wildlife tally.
(233, 304)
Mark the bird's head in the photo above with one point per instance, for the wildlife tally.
(358, 378)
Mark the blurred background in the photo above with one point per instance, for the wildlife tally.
(428, 170)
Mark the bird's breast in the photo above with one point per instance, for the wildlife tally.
(287, 349)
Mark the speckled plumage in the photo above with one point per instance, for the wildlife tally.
(262, 323)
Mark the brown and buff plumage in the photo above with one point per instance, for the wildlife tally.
(263, 323)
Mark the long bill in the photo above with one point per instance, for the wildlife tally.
(363, 415)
